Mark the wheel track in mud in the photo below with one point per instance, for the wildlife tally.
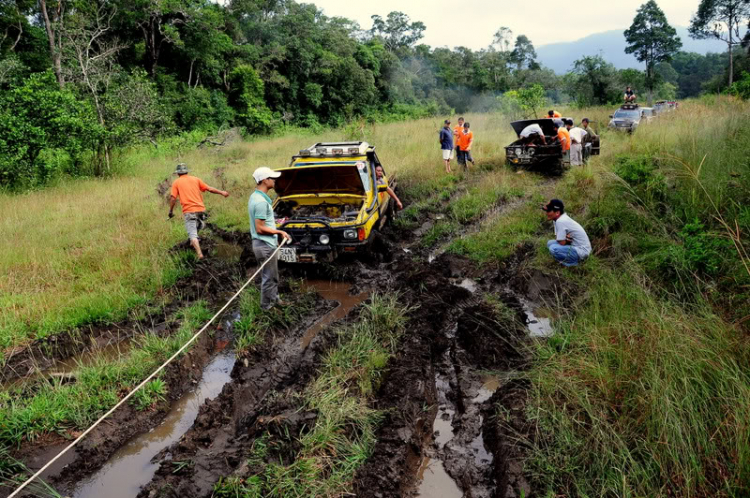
(218, 441)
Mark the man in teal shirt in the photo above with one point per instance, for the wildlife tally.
(264, 232)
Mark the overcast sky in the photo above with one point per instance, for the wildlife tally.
(472, 23)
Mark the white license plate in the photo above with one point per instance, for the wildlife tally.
(288, 255)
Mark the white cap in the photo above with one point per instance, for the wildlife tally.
(264, 172)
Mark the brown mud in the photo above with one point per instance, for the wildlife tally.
(437, 394)
(461, 360)
(261, 398)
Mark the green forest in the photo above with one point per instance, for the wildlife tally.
(81, 80)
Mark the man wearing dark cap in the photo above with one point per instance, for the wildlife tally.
(571, 244)
(446, 145)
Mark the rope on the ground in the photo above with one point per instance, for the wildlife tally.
(156, 372)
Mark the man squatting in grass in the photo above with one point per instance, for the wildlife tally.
(188, 189)
(464, 147)
(571, 244)
(264, 232)
(381, 181)
(446, 145)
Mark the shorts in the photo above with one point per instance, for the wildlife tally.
(194, 222)
(447, 154)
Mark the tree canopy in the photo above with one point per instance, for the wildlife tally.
(652, 40)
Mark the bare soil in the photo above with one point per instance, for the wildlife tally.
(459, 366)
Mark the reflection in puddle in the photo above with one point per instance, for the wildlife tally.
(481, 456)
(489, 386)
(538, 326)
(64, 369)
(331, 291)
(436, 483)
(131, 467)
(469, 285)
(443, 424)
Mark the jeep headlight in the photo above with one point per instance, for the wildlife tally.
(531, 151)
(350, 234)
(324, 239)
(519, 151)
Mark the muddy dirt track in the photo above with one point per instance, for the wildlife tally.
(462, 358)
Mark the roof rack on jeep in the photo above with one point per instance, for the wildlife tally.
(337, 149)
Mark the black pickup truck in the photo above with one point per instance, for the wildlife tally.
(548, 158)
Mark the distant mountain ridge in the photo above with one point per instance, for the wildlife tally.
(611, 44)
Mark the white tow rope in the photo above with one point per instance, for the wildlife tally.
(131, 393)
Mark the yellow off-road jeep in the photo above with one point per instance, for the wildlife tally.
(330, 202)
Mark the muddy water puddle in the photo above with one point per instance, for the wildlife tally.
(331, 291)
(65, 369)
(539, 326)
(435, 481)
(131, 466)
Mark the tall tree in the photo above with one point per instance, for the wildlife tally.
(652, 40)
(397, 30)
(721, 19)
(596, 80)
(90, 54)
(523, 53)
(503, 38)
(52, 25)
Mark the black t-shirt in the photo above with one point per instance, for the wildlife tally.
(629, 93)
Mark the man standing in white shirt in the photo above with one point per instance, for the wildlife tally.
(571, 244)
(576, 144)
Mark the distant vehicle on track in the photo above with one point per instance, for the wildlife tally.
(648, 113)
(665, 105)
(626, 118)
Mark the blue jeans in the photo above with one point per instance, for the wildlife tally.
(567, 255)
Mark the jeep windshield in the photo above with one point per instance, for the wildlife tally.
(629, 114)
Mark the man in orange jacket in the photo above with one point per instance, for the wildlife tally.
(189, 190)
(464, 146)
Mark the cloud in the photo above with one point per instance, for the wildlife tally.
(472, 23)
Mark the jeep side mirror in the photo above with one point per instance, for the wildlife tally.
(611, 116)
(382, 188)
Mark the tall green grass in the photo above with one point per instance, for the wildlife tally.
(645, 389)
(637, 396)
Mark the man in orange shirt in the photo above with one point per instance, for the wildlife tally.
(464, 146)
(189, 190)
(564, 137)
(457, 132)
(553, 114)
